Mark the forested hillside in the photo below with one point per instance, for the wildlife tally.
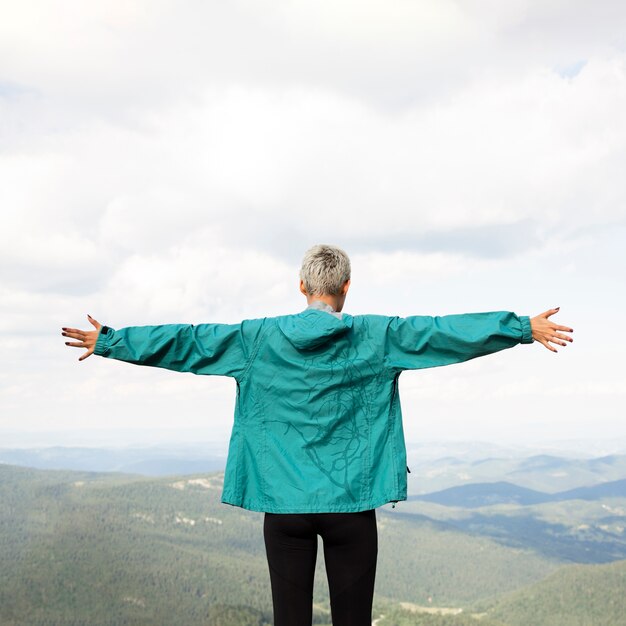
(576, 595)
(105, 549)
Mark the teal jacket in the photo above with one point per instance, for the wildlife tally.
(318, 424)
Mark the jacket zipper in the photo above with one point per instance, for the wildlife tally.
(394, 502)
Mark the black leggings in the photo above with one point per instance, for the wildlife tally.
(350, 551)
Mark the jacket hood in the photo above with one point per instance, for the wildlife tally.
(312, 328)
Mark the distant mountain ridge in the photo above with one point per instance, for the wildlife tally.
(148, 461)
(476, 495)
(545, 473)
(542, 473)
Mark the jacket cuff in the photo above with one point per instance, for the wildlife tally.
(527, 333)
(104, 339)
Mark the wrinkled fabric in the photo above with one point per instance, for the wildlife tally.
(318, 422)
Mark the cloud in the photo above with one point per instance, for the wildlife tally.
(201, 280)
(107, 58)
(171, 161)
(506, 167)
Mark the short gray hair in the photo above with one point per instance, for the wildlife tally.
(324, 270)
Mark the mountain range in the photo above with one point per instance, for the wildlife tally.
(105, 548)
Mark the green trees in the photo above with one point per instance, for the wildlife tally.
(106, 549)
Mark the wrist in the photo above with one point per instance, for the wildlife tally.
(103, 341)
(528, 331)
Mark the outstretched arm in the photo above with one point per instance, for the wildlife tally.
(422, 341)
(219, 349)
(418, 342)
(546, 332)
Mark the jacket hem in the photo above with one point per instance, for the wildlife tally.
(352, 508)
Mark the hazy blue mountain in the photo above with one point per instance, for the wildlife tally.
(543, 462)
(554, 474)
(543, 473)
(608, 461)
(613, 489)
(586, 525)
(477, 495)
(433, 468)
(148, 461)
(485, 494)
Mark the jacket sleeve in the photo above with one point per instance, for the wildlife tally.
(419, 342)
(220, 349)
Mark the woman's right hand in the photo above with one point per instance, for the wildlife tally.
(87, 338)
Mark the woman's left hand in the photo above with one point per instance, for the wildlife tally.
(547, 332)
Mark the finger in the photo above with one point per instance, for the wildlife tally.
(564, 337)
(547, 345)
(75, 335)
(565, 329)
(94, 322)
(88, 353)
(73, 330)
(558, 342)
(75, 344)
(550, 312)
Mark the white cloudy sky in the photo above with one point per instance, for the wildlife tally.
(168, 161)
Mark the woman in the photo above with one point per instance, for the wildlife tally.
(317, 441)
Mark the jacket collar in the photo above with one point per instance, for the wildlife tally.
(322, 306)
